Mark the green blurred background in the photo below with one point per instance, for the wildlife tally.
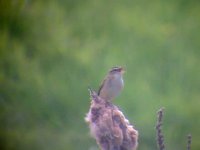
(50, 51)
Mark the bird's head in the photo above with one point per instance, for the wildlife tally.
(115, 70)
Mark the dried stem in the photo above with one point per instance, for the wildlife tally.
(189, 141)
(160, 137)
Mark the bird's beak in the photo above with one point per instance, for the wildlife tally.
(122, 71)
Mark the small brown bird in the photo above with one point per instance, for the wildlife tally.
(112, 84)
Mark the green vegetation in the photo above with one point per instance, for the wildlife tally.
(51, 51)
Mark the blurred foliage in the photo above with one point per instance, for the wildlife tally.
(50, 51)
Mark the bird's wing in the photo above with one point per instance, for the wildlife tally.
(101, 86)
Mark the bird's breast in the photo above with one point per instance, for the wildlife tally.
(116, 85)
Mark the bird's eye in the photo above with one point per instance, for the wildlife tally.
(116, 69)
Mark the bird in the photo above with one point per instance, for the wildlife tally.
(112, 85)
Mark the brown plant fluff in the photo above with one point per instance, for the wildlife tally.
(109, 127)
